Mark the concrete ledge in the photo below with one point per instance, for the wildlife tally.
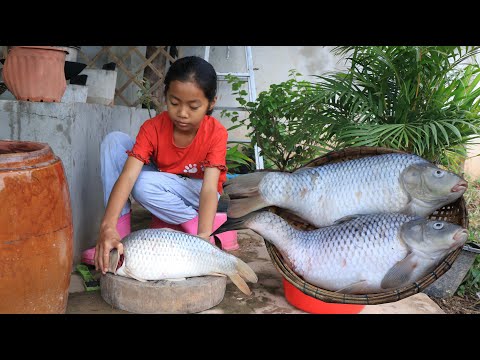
(74, 131)
(163, 297)
(448, 283)
(75, 93)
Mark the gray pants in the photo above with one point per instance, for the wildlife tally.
(171, 198)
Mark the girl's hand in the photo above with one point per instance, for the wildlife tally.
(109, 239)
(205, 236)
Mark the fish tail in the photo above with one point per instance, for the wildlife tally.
(246, 271)
(241, 207)
(244, 194)
(234, 224)
(243, 271)
(244, 185)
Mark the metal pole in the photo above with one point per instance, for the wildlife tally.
(253, 96)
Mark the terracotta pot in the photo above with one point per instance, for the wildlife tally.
(35, 73)
(36, 231)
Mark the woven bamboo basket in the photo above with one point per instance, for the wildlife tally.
(455, 213)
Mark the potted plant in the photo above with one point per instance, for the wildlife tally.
(35, 73)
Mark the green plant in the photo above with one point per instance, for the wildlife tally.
(145, 95)
(273, 126)
(236, 159)
(470, 286)
(420, 99)
(472, 200)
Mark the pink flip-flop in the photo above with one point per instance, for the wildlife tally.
(123, 228)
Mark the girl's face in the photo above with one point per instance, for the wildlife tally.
(187, 105)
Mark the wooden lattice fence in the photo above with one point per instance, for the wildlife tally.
(140, 72)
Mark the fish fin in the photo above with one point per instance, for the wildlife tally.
(218, 242)
(245, 185)
(242, 270)
(113, 261)
(246, 271)
(354, 288)
(233, 224)
(400, 273)
(129, 273)
(346, 218)
(240, 283)
(244, 194)
(241, 207)
(286, 259)
(216, 274)
(175, 279)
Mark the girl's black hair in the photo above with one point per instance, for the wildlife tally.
(197, 70)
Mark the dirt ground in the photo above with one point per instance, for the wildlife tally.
(458, 305)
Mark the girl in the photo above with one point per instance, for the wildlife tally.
(176, 166)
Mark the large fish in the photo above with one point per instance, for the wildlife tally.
(158, 254)
(361, 254)
(400, 183)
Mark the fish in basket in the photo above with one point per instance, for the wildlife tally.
(361, 181)
(386, 183)
(360, 254)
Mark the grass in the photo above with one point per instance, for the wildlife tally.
(471, 284)
(472, 198)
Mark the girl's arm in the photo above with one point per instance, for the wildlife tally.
(109, 238)
(208, 202)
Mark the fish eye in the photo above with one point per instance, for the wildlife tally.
(438, 226)
(438, 173)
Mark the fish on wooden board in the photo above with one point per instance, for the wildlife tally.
(158, 254)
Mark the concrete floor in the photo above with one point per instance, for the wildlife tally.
(267, 294)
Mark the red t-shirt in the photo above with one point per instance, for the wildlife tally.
(154, 142)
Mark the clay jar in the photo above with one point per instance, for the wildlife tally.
(35, 73)
(36, 231)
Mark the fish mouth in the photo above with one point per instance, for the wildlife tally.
(461, 186)
(460, 237)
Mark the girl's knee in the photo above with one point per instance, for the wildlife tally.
(138, 190)
(116, 137)
(144, 187)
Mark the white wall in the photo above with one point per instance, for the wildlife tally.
(274, 62)
(271, 65)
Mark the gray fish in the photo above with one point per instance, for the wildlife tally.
(389, 183)
(360, 254)
(158, 254)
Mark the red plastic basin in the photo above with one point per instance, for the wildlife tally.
(311, 305)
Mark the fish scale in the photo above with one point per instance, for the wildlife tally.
(166, 254)
(176, 255)
(323, 194)
(362, 254)
(352, 251)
